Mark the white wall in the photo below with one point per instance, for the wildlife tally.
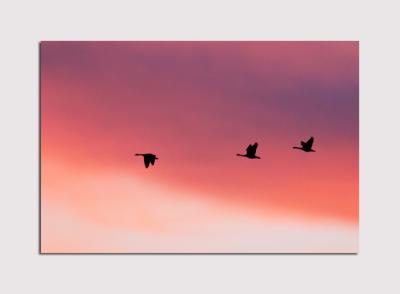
(24, 23)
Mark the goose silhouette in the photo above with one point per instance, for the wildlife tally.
(148, 158)
(306, 146)
(250, 152)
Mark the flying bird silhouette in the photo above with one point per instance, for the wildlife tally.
(306, 146)
(148, 158)
(250, 152)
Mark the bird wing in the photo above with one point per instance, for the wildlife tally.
(251, 149)
(152, 160)
(146, 161)
(310, 142)
(255, 145)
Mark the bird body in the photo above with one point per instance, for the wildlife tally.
(250, 152)
(306, 146)
(148, 158)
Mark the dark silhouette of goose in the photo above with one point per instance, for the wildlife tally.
(250, 152)
(306, 146)
(148, 158)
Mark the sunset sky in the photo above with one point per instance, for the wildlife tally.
(196, 105)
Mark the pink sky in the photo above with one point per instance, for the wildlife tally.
(197, 104)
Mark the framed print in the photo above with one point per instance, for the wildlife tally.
(199, 147)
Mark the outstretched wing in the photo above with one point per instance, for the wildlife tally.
(255, 145)
(152, 160)
(146, 161)
(310, 142)
(251, 149)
